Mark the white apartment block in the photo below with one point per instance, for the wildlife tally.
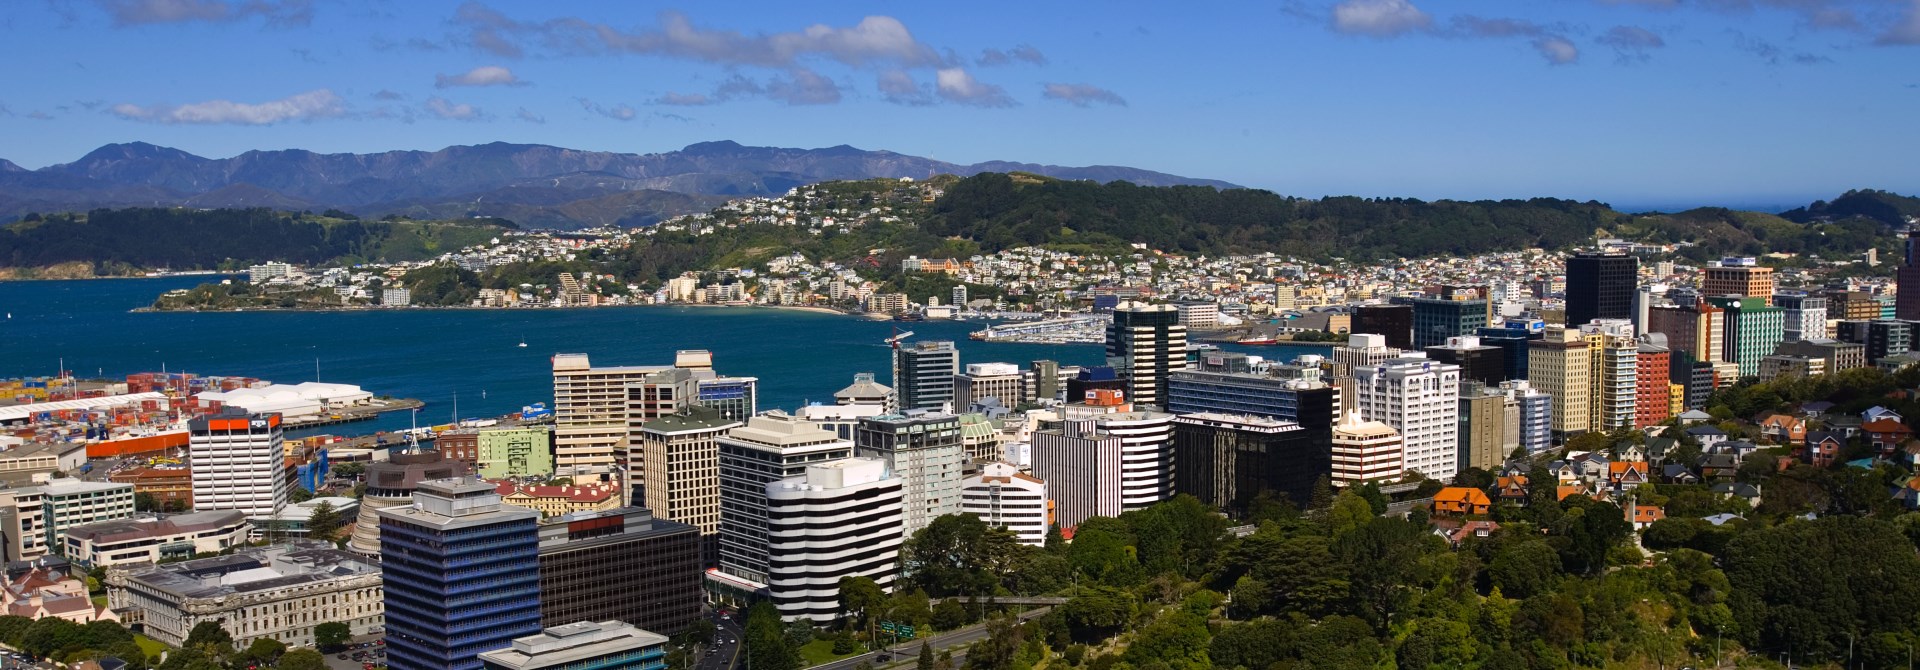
(1420, 398)
(1365, 451)
(238, 462)
(861, 502)
(1005, 498)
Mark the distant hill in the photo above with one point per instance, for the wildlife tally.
(122, 240)
(536, 184)
(1888, 208)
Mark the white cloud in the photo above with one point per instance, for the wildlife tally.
(957, 85)
(1557, 50)
(899, 87)
(874, 40)
(1024, 53)
(148, 12)
(485, 75)
(1082, 95)
(1905, 31)
(803, 87)
(317, 104)
(1379, 18)
(450, 110)
(620, 112)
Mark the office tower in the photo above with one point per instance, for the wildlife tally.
(1653, 386)
(1199, 314)
(678, 467)
(862, 504)
(603, 645)
(1145, 344)
(1851, 305)
(1600, 286)
(1879, 338)
(620, 564)
(1004, 497)
(1478, 362)
(1907, 279)
(459, 577)
(1227, 460)
(1783, 365)
(764, 450)
(391, 483)
(1086, 381)
(1806, 316)
(865, 391)
(510, 453)
(736, 398)
(1483, 427)
(1000, 381)
(590, 407)
(238, 462)
(1284, 297)
(1146, 445)
(1740, 281)
(924, 451)
(1535, 410)
(1393, 322)
(1419, 398)
(1043, 380)
(1695, 333)
(1512, 343)
(1613, 353)
(1364, 451)
(1753, 331)
(1838, 355)
(63, 503)
(1222, 385)
(959, 296)
(979, 438)
(23, 523)
(1560, 365)
(1436, 319)
(923, 375)
(1662, 269)
(1363, 350)
(1081, 465)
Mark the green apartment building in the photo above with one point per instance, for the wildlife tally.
(515, 452)
(1752, 332)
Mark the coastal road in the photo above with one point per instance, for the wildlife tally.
(908, 652)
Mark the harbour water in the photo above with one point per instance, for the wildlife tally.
(434, 355)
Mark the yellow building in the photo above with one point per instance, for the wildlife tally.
(1560, 365)
(551, 501)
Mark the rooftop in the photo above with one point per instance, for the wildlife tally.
(572, 644)
(134, 529)
(254, 570)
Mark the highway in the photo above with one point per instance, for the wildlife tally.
(726, 652)
(908, 652)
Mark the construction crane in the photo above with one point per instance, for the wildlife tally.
(898, 335)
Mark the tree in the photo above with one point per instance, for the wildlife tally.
(1096, 613)
(1818, 584)
(210, 638)
(957, 554)
(1524, 570)
(926, 658)
(859, 596)
(323, 522)
(949, 615)
(1349, 511)
(766, 640)
(303, 659)
(332, 636)
(263, 652)
(144, 502)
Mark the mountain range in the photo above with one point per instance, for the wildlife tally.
(534, 185)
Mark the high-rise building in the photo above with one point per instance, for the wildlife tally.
(1806, 316)
(1000, 381)
(391, 483)
(1783, 365)
(865, 391)
(1146, 445)
(1560, 365)
(1906, 279)
(239, 462)
(1653, 386)
(861, 502)
(1436, 319)
(679, 469)
(458, 575)
(980, 438)
(1081, 465)
(1478, 362)
(1851, 305)
(1004, 497)
(1043, 380)
(1694, 332)
(1145, 344)
(1227, 460)
(1220, 386)
(619, 564)
(924, 451)
(1613, 353)
(1420, 398)
(767, 449)
(1879, 338)
(590, 408)
(1533, 415)
(602, 645)
(1365, 451)
(1740, 281)
(923, 375)
(280, 593)
(1838, 355)
(1600, 286)
(1393, 322)
(1512, 343)
(524, 451)
(1484, 427)
(1753, 331)
(736, 398)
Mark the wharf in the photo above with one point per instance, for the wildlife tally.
(352, 414)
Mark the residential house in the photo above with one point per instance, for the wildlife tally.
(1886, 435)
(1739, 490)
(1876, 413)
(1628, 451)
(1512, 488)
(1658, 448)
(1739, 449)
(1908, 495)
(1694, 416)
(1457, 533)
(1575, 489)
(1707, 436)
(1848, 426)
(1718, 466)
(1623, 477)
(1783, 429)
(1642, 516)
(1675, 473)
(1461, 501)
(43, 592)
(1821, 448)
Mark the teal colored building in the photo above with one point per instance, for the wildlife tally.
(1753, 330)
(586, 645)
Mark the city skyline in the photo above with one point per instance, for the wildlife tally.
(1648, 103)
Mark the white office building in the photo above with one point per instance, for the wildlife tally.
(238, 462)
(861, 502)
(923, 449)
(1004, 497)
(767, 449)
(1365, 451)
(1420, 398)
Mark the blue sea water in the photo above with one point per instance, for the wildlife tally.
(435, 354)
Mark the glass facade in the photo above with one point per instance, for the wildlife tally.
(457, 590)
(605, 571)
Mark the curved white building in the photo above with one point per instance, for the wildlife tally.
(1004, 497)
(842, 519)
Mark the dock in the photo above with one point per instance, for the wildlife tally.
(352, 414)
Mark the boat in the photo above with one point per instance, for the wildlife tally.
(523, 342)
(909, 316)
(1258, 341)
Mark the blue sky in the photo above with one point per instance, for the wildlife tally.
(1635, 102)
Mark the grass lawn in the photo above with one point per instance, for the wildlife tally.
(149, 645)
(821, 651)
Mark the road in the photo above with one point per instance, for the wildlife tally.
(908, 651)
(726, 651)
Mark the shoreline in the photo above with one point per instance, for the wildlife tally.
(787, 308)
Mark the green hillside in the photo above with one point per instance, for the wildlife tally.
(189, 239)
